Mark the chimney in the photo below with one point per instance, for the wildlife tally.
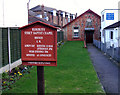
(73, 16)
(59, 16)
(76, 15)
(54, 17)
(42, 10)
(63, 18)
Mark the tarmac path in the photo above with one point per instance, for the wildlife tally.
(108, 72)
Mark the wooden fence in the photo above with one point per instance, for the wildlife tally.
(15, 45)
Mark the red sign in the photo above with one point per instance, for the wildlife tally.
(39, 44)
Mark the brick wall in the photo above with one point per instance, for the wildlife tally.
(81, 22)
(54, 16)
(49, 16)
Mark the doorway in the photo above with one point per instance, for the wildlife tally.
(89, 36)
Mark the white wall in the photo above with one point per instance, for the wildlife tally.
(106, 23)
(13, 13)
(108, 39)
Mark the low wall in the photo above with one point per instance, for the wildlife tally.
(11, 66)
(111, 51)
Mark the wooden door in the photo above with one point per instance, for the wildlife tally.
(89, 36)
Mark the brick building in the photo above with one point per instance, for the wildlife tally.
(52, 15)
(32, 18)
(85, 27)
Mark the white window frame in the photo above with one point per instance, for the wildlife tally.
(76, 31)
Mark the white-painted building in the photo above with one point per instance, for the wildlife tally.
(111, 35)
(110, 28)
(13, 13)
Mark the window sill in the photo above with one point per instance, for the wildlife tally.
(75, 37)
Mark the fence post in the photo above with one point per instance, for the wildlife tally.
(106, 48)
(113, 51)
(62, 36)
(0, 58)
(101, 46)
(0, 47)
(118, 54)
(9, 52)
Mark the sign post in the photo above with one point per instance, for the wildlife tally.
(40, 78)
(39, 48)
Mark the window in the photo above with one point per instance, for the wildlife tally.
(85, 16)
(66, 16)
(96, 24)
(71, 17)
(65, 21)
(40, 16)
(76, 32)
(46, 18)
(45, 14)
(111, 34)
(102, 17)
(68, 19)
(82, 24)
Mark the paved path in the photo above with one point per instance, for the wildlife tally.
(107, 71)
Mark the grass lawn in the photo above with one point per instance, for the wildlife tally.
(74, 73)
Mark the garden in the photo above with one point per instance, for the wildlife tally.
(74, 74)
(10, 77)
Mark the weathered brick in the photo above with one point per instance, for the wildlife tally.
(81, 21)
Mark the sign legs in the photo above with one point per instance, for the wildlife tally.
(40, 80)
